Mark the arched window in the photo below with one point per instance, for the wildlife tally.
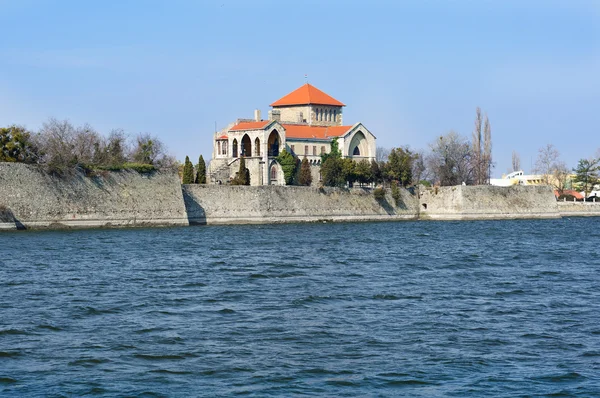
(273, 173)
(273, 143)
(329, 116)
(356, 152)
(235, 148)
(256, 147)
(316, 115)
(218, 147)
(246, 146)
(335, 115)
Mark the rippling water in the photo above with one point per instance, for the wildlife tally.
(497, 308)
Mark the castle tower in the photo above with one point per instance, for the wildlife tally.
(308, 105)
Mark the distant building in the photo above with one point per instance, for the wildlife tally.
(304, 122)
(520, 178)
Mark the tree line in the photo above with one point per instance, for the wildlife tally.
(554, 171)
(451, 159)
(62, 148)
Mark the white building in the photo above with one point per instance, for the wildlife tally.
(304, 122)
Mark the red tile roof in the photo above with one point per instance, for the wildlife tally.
(223, 137)
(571, 192)
(318, 132)
(305, 95)
(250, 125)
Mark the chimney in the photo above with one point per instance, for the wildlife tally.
(275, 114)
(257, 115)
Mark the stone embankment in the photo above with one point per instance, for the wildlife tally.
(30, 198)
(579, 209)
(486, 202)
(217, 204)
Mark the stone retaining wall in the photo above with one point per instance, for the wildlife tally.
(30, 198)
(487, 202)
(213, 204)
(579, 209)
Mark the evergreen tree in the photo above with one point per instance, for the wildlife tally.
(188, 172)
(242, 177)
(333, 153)
(364, 174)
(400, 165)
(16, 145)
(332, 172)
(587, 174)
(201, 171)
(332, 167)
(305, 177)
(288, 163)
(376, 172)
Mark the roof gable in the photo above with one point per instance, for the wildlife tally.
(306, 95)
(251, 125)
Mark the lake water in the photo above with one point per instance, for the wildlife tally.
(420, 309)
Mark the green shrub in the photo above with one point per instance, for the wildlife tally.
(379, 193)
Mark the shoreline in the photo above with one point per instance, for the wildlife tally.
(33, 200)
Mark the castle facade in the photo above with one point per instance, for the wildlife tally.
(304, 122)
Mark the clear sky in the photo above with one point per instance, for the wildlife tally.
(409, 70)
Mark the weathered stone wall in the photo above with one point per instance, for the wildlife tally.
(579, 209)
(30, 198)
(487, 202)
(207, 204)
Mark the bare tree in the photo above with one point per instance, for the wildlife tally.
(516, 161)
(547, 162)
(381, 154)
(150, 150)
(450, 160)
(476, 148)
(487, 151)
(419, 168)
(560, 176)
(86, 142)
(56, 142)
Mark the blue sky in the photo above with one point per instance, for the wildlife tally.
(409, 70)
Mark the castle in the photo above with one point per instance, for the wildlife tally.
(304, 122)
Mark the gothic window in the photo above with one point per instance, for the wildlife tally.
(306, 149)
(314, 150)
(356, 152)
(273, 173)
(317, 115)
(273, 143)
(335, 115)
(235, 148)
(256, 147)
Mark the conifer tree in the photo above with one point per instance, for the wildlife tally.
(201, 171)
(188, 172)
(242, 177)
(288, 164)
(305, 177)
